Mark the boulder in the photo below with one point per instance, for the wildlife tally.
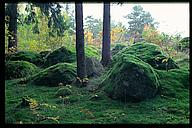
(60, 55)
(19, 69)
(130, 79)
(29, 56)
(93, 67)
(151, 54)
(64, 73)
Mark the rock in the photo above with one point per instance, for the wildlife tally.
(151, 54)
(64, 73)
(60, 55)
(19, 69)
(117, 48)
(93, 67)
(29, 56)
(64, 91)
(130, 79)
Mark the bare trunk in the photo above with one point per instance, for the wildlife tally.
(12, 13)
(80, 53)
(106, 56)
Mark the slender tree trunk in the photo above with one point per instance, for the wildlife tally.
(106, 56)
(12, 13)
(80, 53)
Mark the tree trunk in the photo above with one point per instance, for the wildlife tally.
(106, 56)
(12, 13)
(80, 53)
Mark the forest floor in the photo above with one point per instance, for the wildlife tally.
(85, 107)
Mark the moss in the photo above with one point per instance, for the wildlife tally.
(150, 53)
(64, 91)
(173, 81)
(60, 55)
(29, 56)
(91, 51)
(93, 67)
(44, 53)
(18, 69)
(117, 48)
(130, 79)
(60, 73)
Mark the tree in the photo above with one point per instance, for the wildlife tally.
(80, 53)
(138, 18)
(11, 12)
(106, 56)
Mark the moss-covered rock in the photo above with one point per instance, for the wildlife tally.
(150, 53)
(60, 55)
(64, 91)
(93, 67)
(18, 69)
(130, 79)
(44, 54)
(29, 56)
(60, 73)
(117, 48)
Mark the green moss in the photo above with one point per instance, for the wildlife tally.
(150, 53)
(117, 48)
(18, 69)
(130, 79)
(173, 81)
(29, 56)
(91, 51)
(60, 55)
(60, 73)
(64, 91)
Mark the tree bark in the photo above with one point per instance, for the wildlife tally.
(80, 53)
(12, 27)
(106, 56)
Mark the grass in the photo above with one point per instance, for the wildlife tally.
(171, 106)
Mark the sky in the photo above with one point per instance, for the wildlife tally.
(173, 17)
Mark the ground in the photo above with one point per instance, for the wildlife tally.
(26, 103)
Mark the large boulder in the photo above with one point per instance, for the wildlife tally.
(150, 53)
(60, 55)
(130, 79)
(64, 73)
(29, 56)
(93, 67)
(18, 69)
(117, 48)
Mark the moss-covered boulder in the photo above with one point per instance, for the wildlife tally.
(64, 91)
(130, 79)
(64, 73)
(150, 53)
(93, 67)
(60, 55)
(29, 56)
(44, 54)
(117, 48)
(19, 69)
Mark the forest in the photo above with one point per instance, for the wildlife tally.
(64, 68)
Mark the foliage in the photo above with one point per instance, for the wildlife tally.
(60, 73)
(150, 34)
(138, 18)
(18, 69)
(117, 48)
